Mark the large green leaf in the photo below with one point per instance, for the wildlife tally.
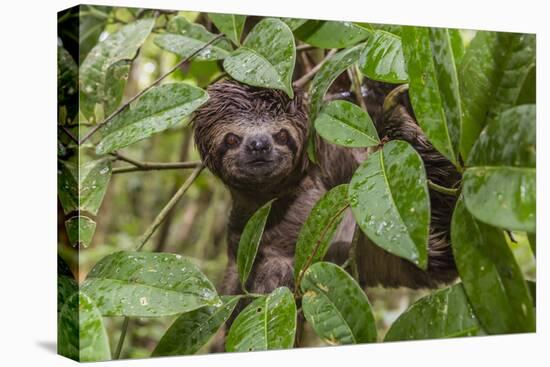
(294, 23)
(266, 58)
(491, 277)
(493, 71)
(229, 24)
(250, 241)
(67, 86)
(319, 228)
(148, 284)
(81, 333)
(116, 51)
(328, 72)
(336, 306)
(67, 185)
(382, 59)
(269, 322)
(189, 332)
(443, 314)
(433, 87)
(80, 230)
(389, 198)
(159, 109)
(66, 283)
(90, 27)
(457, 44)
(329, 34)
(344, 123)
(185, 38)
(499, 184)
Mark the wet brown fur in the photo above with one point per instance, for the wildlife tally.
(234, 103)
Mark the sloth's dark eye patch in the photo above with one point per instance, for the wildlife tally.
(282, 137)
(232, 140)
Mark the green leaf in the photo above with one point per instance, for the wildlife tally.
(81, 332)
(66, 283)
(492, 74)
(144, 284)
(94, 179)
(389, 198)
(189, 332)
(185, 38)
(319, 227)
(80, 230)
(433, 87)
(329, 34)
(67, 86)
(266, 58)
(382, 58)
(90, 28)
(491, 277)
(336, 306)
(532, 237)
(457, 45)
(269, 322)
(158, 109)
(229, 24)
(116, 51)
(67, 185)
(499, 184)
(250, 241)
(344, 123)
(294, 23)
(326, 75)
(445, 313)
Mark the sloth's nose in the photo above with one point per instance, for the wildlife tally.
(259, 144)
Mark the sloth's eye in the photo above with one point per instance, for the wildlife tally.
(232, 140)
(282, 137)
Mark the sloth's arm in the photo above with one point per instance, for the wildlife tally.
(271, 272)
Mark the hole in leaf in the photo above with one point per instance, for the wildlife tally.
(259, 309)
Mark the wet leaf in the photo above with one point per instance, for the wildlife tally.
(192, 330)
(66, 283)
(94, 179)
(433, 87)
(145, 284)
(346, 124)
(67, 185)
(336, 306)
(492, 74)
(116, 51)
(81, 333)
(329, 71)
(250, 241)
(185, 38)
(67, 86)
(330, 34)
(269, 322)
(80, 230)
(445, 313)
(90, 28)
(294, 23)
(382, 58)
(499, 183)
(389, 198)
(266, 58)
(319, 227)
(229, 24)
(491, 277)
(158, 109)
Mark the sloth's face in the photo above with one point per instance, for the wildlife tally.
(260, 154)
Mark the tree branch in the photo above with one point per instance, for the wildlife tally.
(150, 166)
(68, 133)
(162, 77)
(309, 75)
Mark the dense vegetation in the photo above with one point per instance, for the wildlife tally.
(131, 78)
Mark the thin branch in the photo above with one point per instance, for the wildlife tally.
(68, 133)
(315, 249)
(120, 343)
(150, 166)
(442, 189)
(310, 74)
(162, 77)
(304, 47)
(355, 77)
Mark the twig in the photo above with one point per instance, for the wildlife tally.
(310, 74)
(147, 235)
(315, 249)
(150, 166)
(442, 189)
(68, 133)
(355, 77)
(159, 79)
(304, 47)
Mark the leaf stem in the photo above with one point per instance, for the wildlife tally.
(355, 77)
(157, 81)
(392, 99)
(442, 189)
(353, 253)
(316, 248)
(120, 343)
(310, 74)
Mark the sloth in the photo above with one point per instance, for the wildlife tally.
(254, 140)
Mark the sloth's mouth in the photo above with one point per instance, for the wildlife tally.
(259, 161)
